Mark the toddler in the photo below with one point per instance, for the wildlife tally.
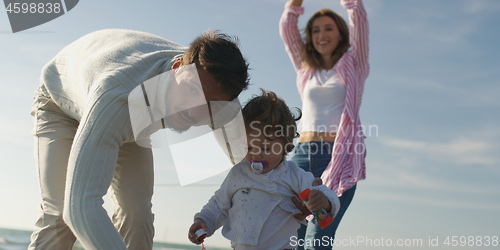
(254, 203)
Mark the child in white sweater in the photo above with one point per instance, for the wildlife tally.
(254, 203)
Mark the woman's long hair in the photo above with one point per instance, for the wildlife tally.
(312, 58)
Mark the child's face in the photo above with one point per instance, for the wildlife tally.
(262, 149)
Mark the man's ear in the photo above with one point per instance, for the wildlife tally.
(177, 63)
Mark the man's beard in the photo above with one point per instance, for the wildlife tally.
(170, 122)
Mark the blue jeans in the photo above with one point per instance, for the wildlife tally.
(314, 157)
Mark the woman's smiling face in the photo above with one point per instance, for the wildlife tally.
(325, 35)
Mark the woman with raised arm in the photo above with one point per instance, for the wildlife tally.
(332, 65)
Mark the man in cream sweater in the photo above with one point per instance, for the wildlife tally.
(84, 140)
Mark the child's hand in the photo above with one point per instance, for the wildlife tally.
(317, 200)
(198, 223)
(303, 209)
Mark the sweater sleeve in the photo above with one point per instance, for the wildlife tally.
(215, 212)
(358, 35)
(103, 128)
(345, 168)
(290, 34)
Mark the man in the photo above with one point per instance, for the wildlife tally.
(84, 140)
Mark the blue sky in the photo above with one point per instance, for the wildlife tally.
(431, 101)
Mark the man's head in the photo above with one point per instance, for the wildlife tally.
(219, 55)
(222, 72)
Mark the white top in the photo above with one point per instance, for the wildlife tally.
(256, 210)
(323, 102)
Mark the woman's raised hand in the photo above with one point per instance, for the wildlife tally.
(295, 3)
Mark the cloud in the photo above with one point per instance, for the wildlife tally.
(481, 6)
(461, 151)
(419, 200)
(374, 7)
(466, 164)
(463, 88)
(41, 53)
(427, 33)
(418, 180)
(439, 26)
(16, 132)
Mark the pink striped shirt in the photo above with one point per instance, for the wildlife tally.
(347, 166)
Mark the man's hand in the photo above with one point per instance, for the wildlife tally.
(303, 209)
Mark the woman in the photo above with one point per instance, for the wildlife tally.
(330, 81)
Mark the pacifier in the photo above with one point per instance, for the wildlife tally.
(258, 166)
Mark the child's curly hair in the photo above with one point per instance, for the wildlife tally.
(270, 115)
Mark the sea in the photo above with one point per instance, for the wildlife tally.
(13, 239)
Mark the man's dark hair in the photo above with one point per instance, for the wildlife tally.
(220, 56)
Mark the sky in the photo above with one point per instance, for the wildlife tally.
(430, 108)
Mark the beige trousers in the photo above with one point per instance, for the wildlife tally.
(130, 188)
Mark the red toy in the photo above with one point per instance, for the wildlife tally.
(323, 217)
